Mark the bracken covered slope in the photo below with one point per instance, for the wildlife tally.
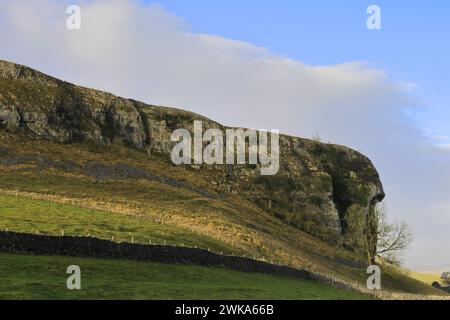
(317, 187)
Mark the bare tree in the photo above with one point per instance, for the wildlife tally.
(317, 137)
(445, 277)
(391, 239)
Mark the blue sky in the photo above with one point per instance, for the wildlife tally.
(413, 44)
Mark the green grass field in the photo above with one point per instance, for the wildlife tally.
(27, 215)
(31, 216)
(157, 212)
(38, 277)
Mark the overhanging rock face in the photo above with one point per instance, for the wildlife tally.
(317, 187)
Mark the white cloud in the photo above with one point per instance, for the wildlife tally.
(445, 146)
(147, 53)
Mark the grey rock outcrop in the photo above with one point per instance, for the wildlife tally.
(314, 190)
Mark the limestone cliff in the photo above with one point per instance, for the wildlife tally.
(317, 186)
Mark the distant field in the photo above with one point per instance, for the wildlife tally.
(428, 278)
(37, 277)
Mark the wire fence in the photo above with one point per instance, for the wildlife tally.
(243, 251)
(136, 211)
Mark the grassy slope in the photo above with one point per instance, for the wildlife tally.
(30, 216)
(37, 277)
(147, 209)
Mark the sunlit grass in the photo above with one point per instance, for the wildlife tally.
(37, 216)
(37, 277)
